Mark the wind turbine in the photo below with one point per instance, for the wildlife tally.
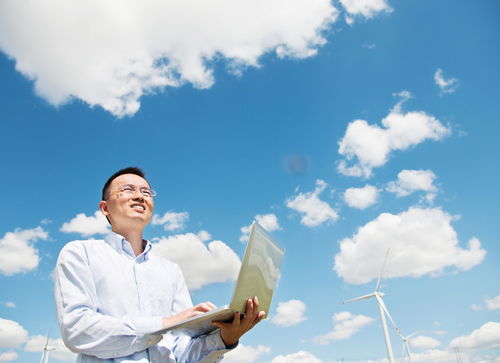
(406, 345)
(46, 351)
(377, 294)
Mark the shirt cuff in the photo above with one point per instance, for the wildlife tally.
(217, 339)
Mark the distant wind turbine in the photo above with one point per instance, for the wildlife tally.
(46, 351)
(406, 345)
(377, 294)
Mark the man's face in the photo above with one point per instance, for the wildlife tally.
(127, 209)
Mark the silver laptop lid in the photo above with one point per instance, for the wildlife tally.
(260, 270)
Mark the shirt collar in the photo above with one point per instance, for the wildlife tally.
(120, 244)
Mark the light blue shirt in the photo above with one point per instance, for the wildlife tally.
(110, 303)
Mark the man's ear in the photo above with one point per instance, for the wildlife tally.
(103, 206)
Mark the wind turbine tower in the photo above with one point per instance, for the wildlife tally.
(377, 294)
(46, 351)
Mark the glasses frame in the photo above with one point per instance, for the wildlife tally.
(133, 189)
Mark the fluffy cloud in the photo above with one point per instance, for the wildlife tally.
(299, 357)
(486, 337)
(87, 226)
(446, 86)
(171, 220)
(422, 242)
(112, 53)
(315, 210)
(364, 8)
(345, 325)
(371, 145)
(10, 304)
(423, 342)
(268, 221)
(204, 235)
(410, 181)
(289, 313)
(61, 352)
(361, 198)
(245, 354)
(17, 253)
(201, 264)
(8, 356)
(434, 356)
(12, 334)
(493, 304)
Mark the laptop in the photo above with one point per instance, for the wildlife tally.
(258, 276)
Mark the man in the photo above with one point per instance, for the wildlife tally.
(112, 295)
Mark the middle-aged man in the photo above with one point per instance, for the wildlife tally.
(112, 295)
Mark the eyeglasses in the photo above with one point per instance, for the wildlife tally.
(129, 189)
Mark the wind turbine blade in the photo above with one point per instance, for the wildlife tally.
(412, 334)
(359, 298)
(381, 302)
(377, 287)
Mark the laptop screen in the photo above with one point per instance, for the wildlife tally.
(259, 271)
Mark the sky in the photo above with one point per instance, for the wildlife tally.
(347, 128)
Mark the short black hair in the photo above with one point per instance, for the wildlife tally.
(128, 170)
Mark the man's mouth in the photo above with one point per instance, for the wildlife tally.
(139, 207)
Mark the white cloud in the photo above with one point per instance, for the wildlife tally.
(422, 242)
(493, 304)
(361, 198)
(171, 220)
(486, 337)
(446, 86)
(204, 235)
(476, 307)
(410, 181)
(433, 355)
(10, 304)
(289, 313)
(371, 145)
(365, 8)
(87, 226)
(12, 334)
(17, 253)
(315, 210)
(299, 357)
(8, 356)
(423, 342)
(201, 263)
(268, 221)
(245, 354)
(345, 325)
(61, 352)
(111, 53)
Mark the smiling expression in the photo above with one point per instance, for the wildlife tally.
(122, 209)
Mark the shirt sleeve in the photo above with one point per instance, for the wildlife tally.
(207, 348)
(85, 330)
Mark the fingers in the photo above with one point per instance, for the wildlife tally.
(204, 307)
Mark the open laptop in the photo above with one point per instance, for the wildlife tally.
(259, 273)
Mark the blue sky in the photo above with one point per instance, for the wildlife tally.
(345, 127)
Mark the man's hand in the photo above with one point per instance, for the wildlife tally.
(188, 313)
(232, 332)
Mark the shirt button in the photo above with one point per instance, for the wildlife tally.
(115, 354)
